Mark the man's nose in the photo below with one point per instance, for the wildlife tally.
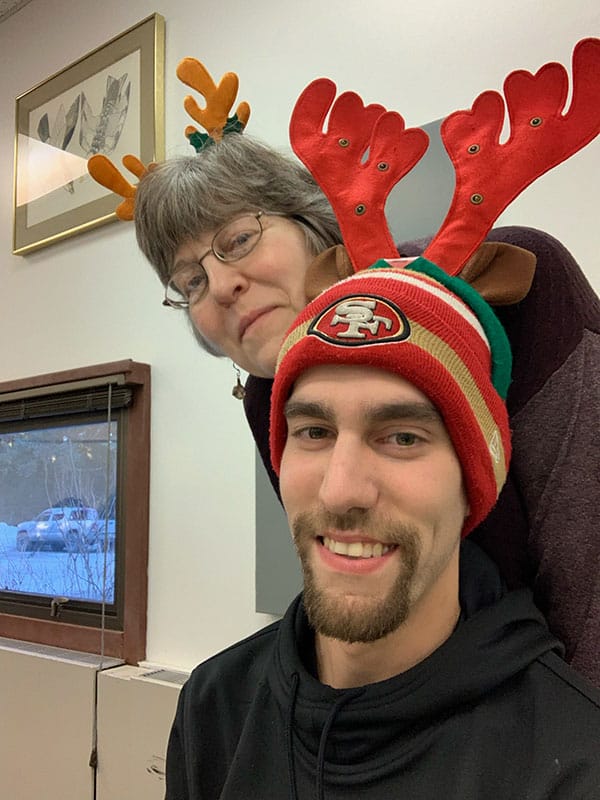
(349, 480)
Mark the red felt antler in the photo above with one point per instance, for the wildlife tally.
(356, 187)
(489, 175)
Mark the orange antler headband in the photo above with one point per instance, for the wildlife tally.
(489, 175)
(219, 101)
(104, 172)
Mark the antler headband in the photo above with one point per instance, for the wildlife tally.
(214, 118)
(219, 102)
(489, 175)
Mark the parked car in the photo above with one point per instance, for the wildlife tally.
(107, 531)
(71, 528)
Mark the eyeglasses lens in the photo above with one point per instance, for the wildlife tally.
(187, 286)
(234, 241)
(237, 239)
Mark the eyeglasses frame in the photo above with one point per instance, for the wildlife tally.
(183, 304)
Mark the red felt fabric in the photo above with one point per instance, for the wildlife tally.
(500, 172)
(348, 180)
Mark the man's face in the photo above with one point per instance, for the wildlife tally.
(374, 495)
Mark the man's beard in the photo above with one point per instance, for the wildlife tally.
(360, 619)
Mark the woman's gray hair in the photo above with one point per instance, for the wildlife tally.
(188, 196)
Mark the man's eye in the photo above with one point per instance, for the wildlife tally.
(312, 432)
(404, 439)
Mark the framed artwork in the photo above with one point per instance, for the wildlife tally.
(111, 101)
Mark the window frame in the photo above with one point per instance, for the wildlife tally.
(127, 639)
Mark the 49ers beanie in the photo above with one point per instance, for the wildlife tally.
(433, 330)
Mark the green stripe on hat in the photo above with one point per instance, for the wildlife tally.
(496, 335)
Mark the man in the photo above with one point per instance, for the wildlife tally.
(403, 670)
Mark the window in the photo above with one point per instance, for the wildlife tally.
(74, 479)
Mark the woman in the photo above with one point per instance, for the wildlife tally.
(255, 219)
(231, 234)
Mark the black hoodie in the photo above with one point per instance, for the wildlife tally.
(492, 714)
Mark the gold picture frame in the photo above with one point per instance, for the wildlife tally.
(111, 101)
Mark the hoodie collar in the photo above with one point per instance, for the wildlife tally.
(349, 730)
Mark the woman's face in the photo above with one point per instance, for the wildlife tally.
(249, 304)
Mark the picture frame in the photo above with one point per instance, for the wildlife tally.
(110, 101)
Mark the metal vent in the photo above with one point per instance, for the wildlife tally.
(167, 676)
(58, 653)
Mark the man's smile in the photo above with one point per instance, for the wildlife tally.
(355, 557)
(358, 549)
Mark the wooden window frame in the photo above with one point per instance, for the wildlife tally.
(128, 642)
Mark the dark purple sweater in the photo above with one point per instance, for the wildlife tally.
(545, 528)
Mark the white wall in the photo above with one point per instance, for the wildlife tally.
(93, 298)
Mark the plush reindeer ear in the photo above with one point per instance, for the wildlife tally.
(501, 273)
(327, 268)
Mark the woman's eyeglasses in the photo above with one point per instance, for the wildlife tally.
(236, 239)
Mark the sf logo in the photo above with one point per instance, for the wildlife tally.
(360, 321)
(358, 316)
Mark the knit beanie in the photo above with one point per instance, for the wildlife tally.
(434, 331)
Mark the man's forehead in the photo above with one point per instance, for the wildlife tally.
(370, 386)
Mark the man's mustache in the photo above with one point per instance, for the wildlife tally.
(312, 524)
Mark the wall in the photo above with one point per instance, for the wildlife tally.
(93, 298)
